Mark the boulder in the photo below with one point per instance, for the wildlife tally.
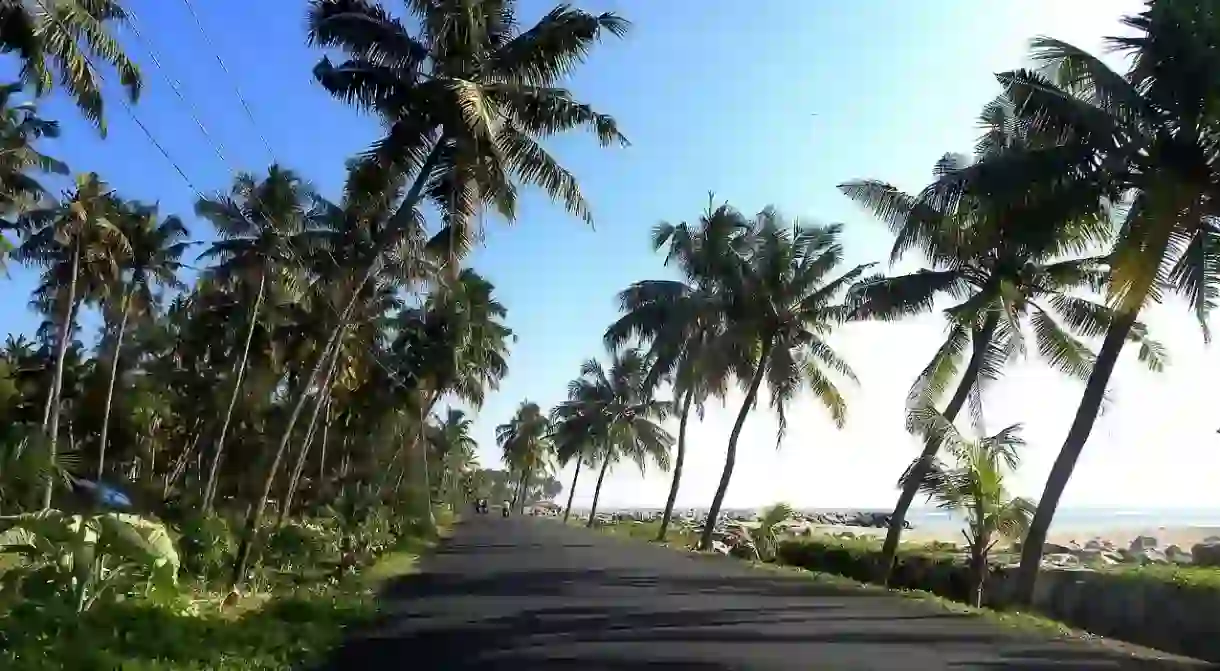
(1060, 561)
(1143, 543)
(1205, 554)
(1056, 549)
(1177, 555)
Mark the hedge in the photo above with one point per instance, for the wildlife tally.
(941, 573)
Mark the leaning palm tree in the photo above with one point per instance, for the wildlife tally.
(466, 102)
(974, 486)
(64, 40)
(525, 441)
(1004, 273)
(156, 249)
(611, 415)
(260, 224)
(679, 320)
(75, 240)
(1143, 139)
(779, 309)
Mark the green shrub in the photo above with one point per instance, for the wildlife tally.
(940, 573)
(301, 544)
(207, 545)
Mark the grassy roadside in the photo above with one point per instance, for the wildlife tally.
(287, 628)
(1021, 622)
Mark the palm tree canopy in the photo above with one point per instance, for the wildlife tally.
(611, 415)
(67, 40)
(467, 97)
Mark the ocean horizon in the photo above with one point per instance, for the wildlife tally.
(1085, 518)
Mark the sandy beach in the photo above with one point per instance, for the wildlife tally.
(1182, 536)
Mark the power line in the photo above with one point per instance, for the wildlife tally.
(152, 139)
(236, 87)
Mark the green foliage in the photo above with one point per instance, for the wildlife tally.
(301, 543)
(290, 632)
(207, 544)
(74, 560)
(941, 574)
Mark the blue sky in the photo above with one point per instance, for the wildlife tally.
(770, 102)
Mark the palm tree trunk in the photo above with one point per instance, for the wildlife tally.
(597, 492)
(423, 451)
(396, 221)
(325, 438)
(114, 373)
(181, 462)
(730, 457)
(978, 575)
(254, 516)
(65, 335)
(910, 488)
(299, 467)
(209, 489)
(567, 512)
(681, 458)
(1061, 472)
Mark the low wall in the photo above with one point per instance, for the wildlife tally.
(1171, 610)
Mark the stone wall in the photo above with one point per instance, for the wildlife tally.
(1171, 616)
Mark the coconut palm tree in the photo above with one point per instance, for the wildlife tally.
(153, 262)
(974, 486)
(679, 320)
(463, 59)
(1141, 139)
(78, 242)
(64, 40)
(260, 225)
(450, 441)
(527, 447)
(20, 130)
(611, 415)
(1005, 276)
(779, 309)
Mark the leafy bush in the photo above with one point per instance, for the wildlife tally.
(75, 560)
(301, 543)
(942, 574)
(290, 632)
(207, 544)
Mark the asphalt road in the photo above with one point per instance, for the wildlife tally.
(535, 595)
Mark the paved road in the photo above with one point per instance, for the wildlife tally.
(535, 595)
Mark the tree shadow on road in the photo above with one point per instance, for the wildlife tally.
(612, 620)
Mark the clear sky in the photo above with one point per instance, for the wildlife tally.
(767, 102)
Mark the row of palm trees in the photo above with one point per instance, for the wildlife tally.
(1090, 193)
(303, 346)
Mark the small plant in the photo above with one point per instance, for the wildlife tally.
(974, 486)
(207, 545)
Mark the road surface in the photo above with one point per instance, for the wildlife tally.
(535, 595)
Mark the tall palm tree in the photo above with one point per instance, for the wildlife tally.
(611, 415)
(450, 440)
(73, 239)
(260, 226)
(64, 40)
(679, 320)
(153, 262)
(779, 310)
(1005, 275)
(466, 102)
(1143, 139)
(527, 447)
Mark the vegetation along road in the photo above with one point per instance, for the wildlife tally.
(526, 593)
